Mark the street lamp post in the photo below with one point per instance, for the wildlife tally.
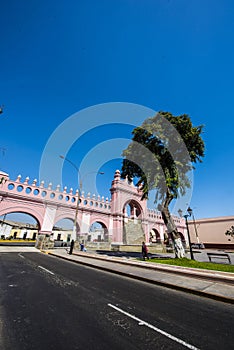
(78, 195)
(190, 246)
(80, 184)
(186, 221)
(190, 211)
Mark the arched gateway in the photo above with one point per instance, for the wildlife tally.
(125, 218)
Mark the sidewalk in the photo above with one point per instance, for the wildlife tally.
(212, 284)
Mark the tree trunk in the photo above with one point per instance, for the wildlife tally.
(171, 228)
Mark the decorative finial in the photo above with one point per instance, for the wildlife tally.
(18, 178)
(26, 180)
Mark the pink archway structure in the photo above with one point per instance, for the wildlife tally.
(125, 216)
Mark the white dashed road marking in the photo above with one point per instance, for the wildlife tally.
(141, 323)
(43, 268)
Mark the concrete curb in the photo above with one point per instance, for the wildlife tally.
(206, 294)
(217, 276)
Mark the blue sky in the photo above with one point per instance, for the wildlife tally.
(59, 57)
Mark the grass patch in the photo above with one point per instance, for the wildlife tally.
(195, 264)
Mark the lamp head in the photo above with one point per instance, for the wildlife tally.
(190, 211)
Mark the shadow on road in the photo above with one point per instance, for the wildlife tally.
(131, 254)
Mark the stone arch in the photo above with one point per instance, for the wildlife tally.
(20, 227)
(132, 209)
(62, 215)
(102, 220)
(102, 234)
(21, 209)
(66, 215)
(154, 236)
(63, 229)
(133, 232)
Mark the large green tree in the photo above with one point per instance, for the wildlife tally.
(161, 155)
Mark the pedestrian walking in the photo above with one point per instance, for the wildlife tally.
(71, 247)
(144, 251)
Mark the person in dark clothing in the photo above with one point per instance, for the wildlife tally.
(144, 251)
(71, 247)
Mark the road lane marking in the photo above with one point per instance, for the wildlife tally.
(43, 268)
(21, 256)
(141, 323)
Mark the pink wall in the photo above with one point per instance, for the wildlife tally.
(212, 230)
(49, 205)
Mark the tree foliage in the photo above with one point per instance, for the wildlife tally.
(163, 150)
(230, 232)
(161, 154)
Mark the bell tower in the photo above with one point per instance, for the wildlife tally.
(129, 212)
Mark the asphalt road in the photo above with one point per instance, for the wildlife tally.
(47, 303)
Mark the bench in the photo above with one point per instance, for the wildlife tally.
(219, 255)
